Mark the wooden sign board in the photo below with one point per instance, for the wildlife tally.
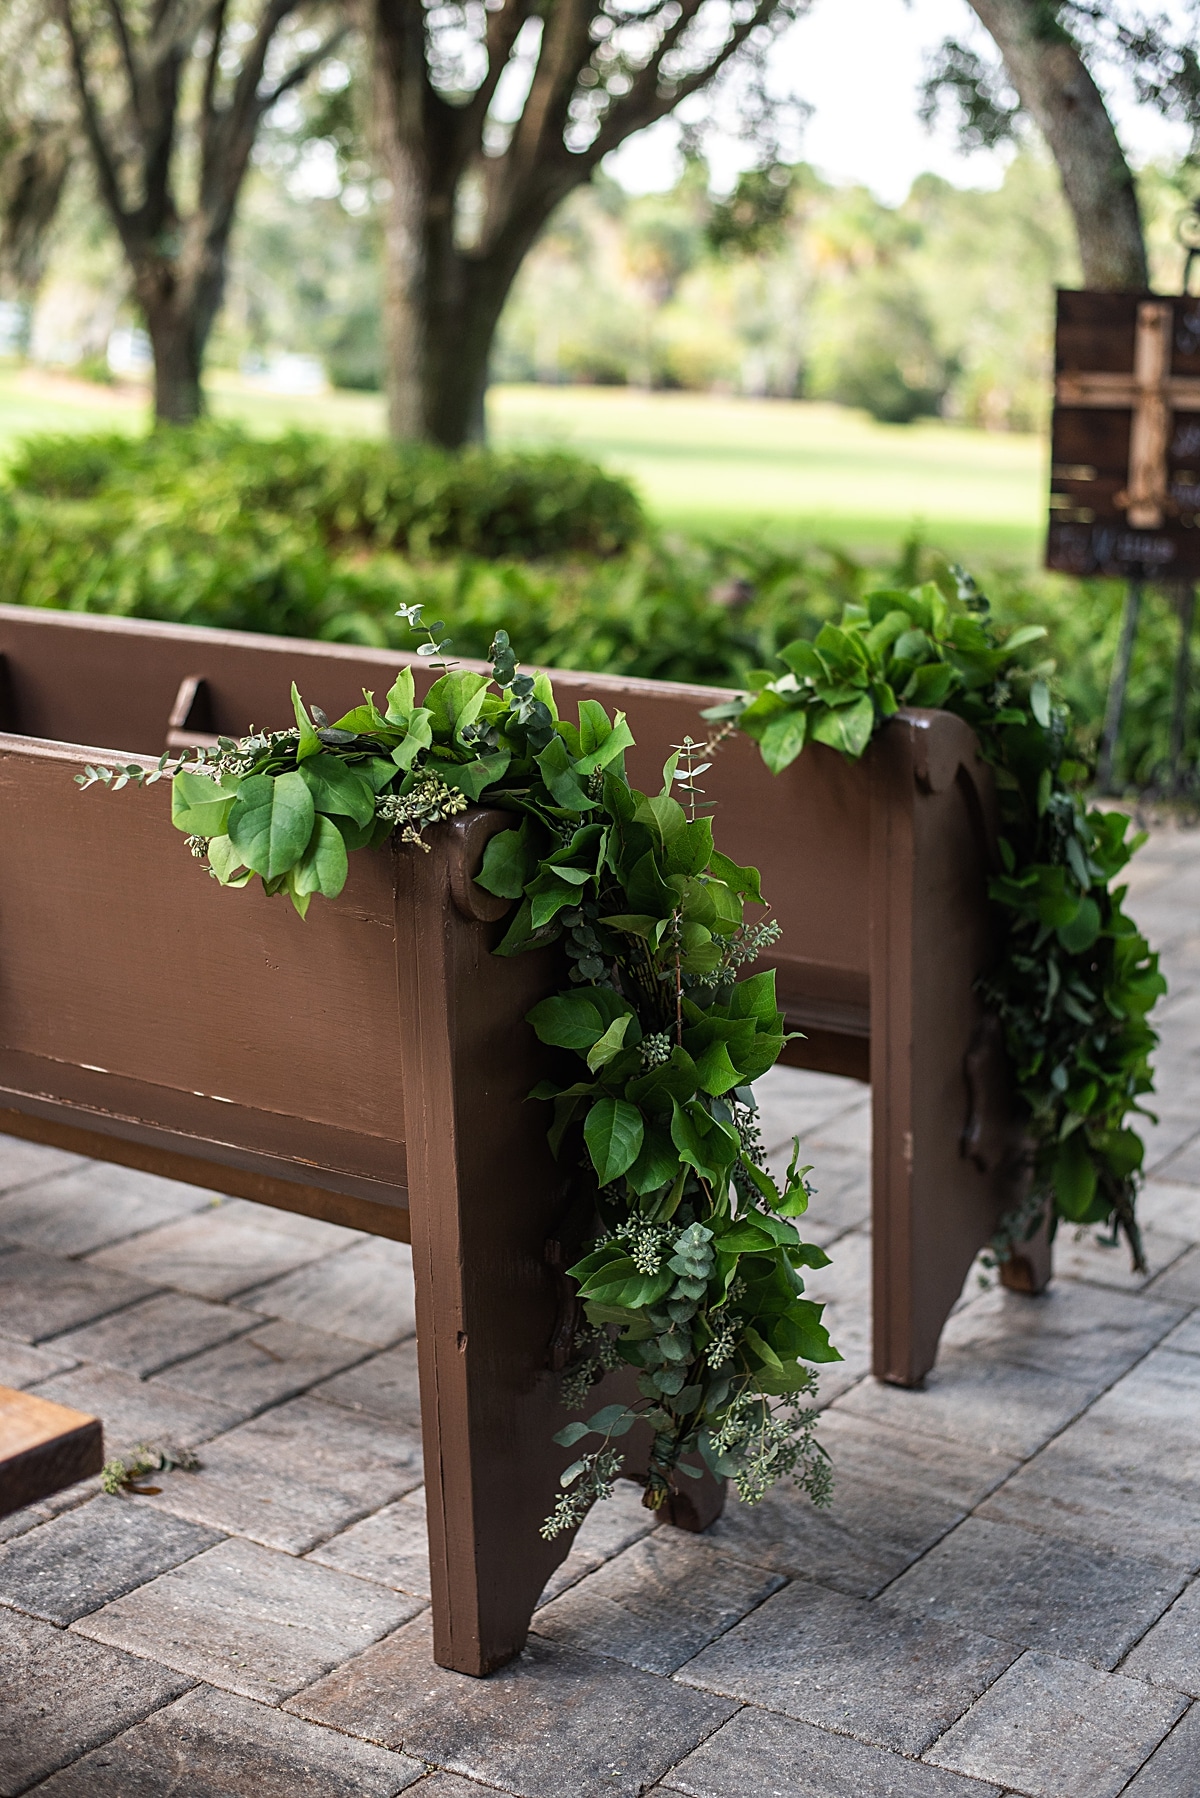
(1125, 447)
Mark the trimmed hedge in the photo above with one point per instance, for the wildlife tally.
(348, 492)
(315, 537)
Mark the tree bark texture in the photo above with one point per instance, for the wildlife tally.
(1057, 91)
(445, 287)
(176, 256)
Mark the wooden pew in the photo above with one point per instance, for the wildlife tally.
(43, 1448)
(150, 1018)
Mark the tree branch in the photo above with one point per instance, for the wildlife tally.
(106, 169)
(129, 62)
(303, 68)
(566, 47)
(645, 103)
(503, 30)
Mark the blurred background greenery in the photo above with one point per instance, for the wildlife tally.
(807, 389)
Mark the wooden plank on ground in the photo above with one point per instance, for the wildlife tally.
(43, 1447)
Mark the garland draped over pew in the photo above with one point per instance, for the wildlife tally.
(694, 1274)
(1074, 980)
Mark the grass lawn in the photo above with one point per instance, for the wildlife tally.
(700, 461)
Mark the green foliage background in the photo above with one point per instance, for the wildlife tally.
(326, 538)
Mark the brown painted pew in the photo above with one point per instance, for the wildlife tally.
(367, 1066)
(44, 1448)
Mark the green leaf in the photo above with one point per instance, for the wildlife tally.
(271, 822)
(455, 701)
(323, 866)
(310, 742)
(402, 699)
(199, 807)
(557, 771)
(1081, 931)
(613, 1133)
(717, 1073)
(657, 1163)
(1028, 633)
(1074, 1177)
(610, 1044)
(783, 739)
(226, 863)
(474, 778)
(567, 1021)
(338, 789)
(417, 737)
(848, 729)
(507, 864)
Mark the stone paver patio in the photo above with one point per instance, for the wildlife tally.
(1001, 1600)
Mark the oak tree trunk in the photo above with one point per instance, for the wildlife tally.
(179, 304)
(1058, 93)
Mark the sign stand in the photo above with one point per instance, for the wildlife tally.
(1117, 685)
(1183, 681)
(1125, 466)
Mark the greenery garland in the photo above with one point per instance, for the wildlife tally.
(691, 1264)
(1074, 980)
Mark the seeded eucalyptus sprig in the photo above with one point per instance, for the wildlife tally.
(691, 1263)
(1074, 980)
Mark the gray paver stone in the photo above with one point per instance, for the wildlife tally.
(390, 1546)
(1170, 1207)
(217, 1745)
(842, 1191)
(386, 1386)
(214, 1254)
(1145, 1424)
(18, 1522)
(862, 1668)
(250, 1619)
(553, 1724)
(795, 1101)
(315, 1231)
(969, 1399)
(93, 1205)
(1069, 1495)
(134, 1412)
(1171, 1770)
(1085, 1255)
(43, 1295)
(779, 1757)
(1186, 1339)
(608, 1528)
(849, 1129)
(869, 1534)
(1070, 1330)
(1052, 1728)
(274, 1362)
(657, 1604)
(152, 1335)
(365, 1292)
(59, 1696)
(1038, 1591)
(1169, 1654)
(21, 1162)
(1180, 1284)
(95, 1553)
(295, 1475)
(21, 1365)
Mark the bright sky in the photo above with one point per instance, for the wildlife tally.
(859, 63)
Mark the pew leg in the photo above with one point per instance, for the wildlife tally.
(1029, 1268)
(697, 1504)
(483, 1197)
(938, 1193)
